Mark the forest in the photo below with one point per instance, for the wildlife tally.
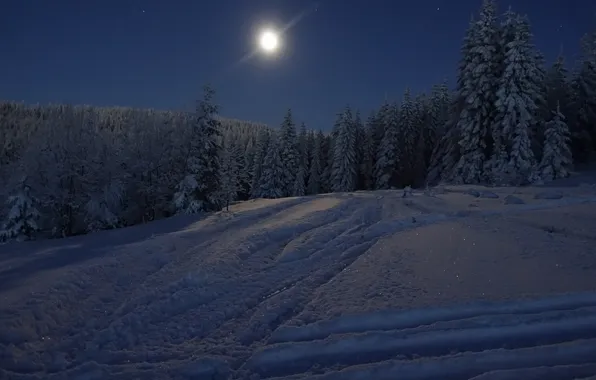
(511, 120)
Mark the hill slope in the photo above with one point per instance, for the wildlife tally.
(350, 286)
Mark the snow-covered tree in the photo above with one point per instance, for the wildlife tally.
(477, 84)
(369, 151)
(360, 146)
(299, 188)
(200, 186)
(519, 91)
(22, 221)
(344, 171)
(229, 175)
(316, 164)
(409, 130)
(289, 153)
(438, 115)
(584, 86)
(261, 150)
(299, 183)
(245, 158)
(272, 177)
(556, 158)
(388, 155)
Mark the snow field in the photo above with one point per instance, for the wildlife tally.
(313, 286)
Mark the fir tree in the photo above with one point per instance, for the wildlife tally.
(289, 154)
(344, 170)
(229, 176)
(408, 136)
(299, 182)
(519, 90)
(361, 147)
(556, 158)
(316, 163)
(198, 190)
(584, 86)
(272, 180)
(247, 160)
(23, 216)
(477, 83)
(434, 126)
(299, 188)
(261, 150)
(369, 151)
(388, 155)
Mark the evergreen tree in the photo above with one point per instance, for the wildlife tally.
(344, 170)
(310, 146)
(438, 114)
(229, 176)
(289, 154)
(477, 83)
(261, 150)
(408, 139)
(272, 177)
(247, 159)
(584, 85)
(517, 97)
(299, 183)
(316, 163)
(23, 216)
(241, 173)
(198, 190)
(369, 151)
(329, 150)
(299, 188)
(556, 160)
(360, 146)
(389, 154)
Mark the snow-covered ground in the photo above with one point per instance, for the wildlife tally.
(459, 283)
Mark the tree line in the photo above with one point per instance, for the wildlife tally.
(68, 170)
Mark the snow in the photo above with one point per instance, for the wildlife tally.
(343, 285)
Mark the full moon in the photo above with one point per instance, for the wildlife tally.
(269, 41)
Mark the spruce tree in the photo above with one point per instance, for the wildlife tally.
(477, 83)
(438, 115)
(22, 220)
(360, 146)
(556, 158)
(261, 150)
(272, 178)
(316, 164)
(408, 137)
(387, 165)
(289, 154)
(344, 170)
(369, 151)
(299, 188)
(517, 96)
(229, 176)
(584, 86)
(200, 186)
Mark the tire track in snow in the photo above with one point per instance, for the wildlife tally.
(553, 331)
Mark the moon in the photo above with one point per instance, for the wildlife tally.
(269, 41)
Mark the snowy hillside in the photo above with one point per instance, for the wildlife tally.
(456, 283)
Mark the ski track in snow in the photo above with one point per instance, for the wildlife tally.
(225, 297)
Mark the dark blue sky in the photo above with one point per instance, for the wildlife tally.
(158, 53)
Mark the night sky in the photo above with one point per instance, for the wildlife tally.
(157, 53)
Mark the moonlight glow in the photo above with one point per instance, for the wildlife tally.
(269, 41)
